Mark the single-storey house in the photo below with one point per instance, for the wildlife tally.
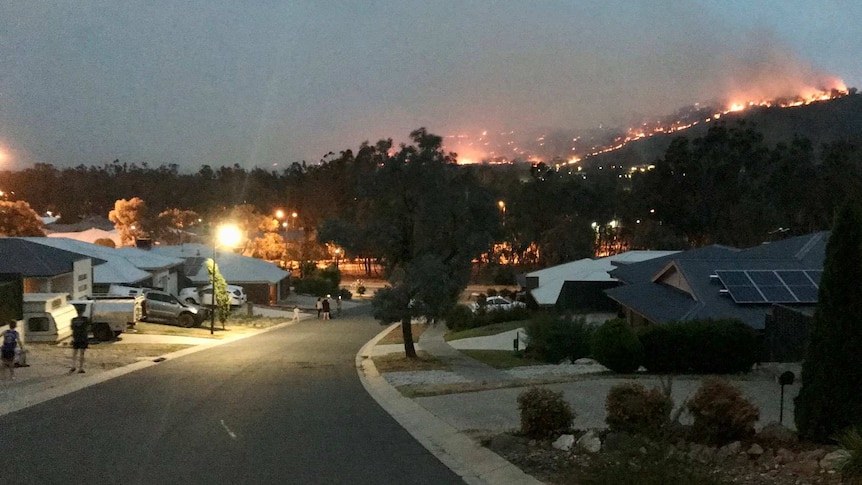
(46, 269)
(579, 285)
(263, 282)
(125, 266)
(721, 282)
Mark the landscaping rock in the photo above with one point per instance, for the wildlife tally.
(776, 435)
(832, 461)
(564, 442)
(590, 442)
(586, 361)
(755, 451)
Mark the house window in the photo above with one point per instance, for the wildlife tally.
(38, 324)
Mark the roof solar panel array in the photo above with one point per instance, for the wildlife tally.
(768, 286)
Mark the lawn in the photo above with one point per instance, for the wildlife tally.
(501, 359)
(493, 329)
(234, 326)
(395, 336)
(398, 362)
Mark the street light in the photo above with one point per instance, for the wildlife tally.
(226, 235)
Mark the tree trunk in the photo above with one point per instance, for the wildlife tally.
(407, 333)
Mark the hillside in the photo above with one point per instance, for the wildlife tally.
(821, 122)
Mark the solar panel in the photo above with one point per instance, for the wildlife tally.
(777, 294)
(794, 278)
(745, 294)
(764, 278)
(815, 276)
(805, 294)
(733, 278)
(769, 286)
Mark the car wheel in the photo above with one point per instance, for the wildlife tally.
(191, 300)
(186, 320)
(103, 332)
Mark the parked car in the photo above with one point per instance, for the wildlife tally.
(497, 303)
(164, 306)
(204, 296)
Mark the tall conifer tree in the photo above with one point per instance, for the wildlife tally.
(831, 396)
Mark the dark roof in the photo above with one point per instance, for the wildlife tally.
(34, 260)
(661, 303)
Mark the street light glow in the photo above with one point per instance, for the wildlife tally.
(228, 235)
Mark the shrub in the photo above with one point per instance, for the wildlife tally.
(459, 317)
(544, 413)
(850, 442)
(491, 292)
(632, 408)
(345, 294)
(721, 413)
(315, 286)
(553, 340)
(616, 347)
(706, 346)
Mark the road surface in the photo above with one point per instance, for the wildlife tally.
(282, 407)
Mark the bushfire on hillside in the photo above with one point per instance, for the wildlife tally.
(502, 148)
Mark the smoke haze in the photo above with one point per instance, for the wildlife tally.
(267, 84)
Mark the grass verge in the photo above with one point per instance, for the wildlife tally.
(487, 330)
(501, 359)
(398, 362)
(234, 326)
(395, 336)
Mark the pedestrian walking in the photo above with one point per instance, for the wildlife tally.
(11, 340)
(80, 342)
(296, 314)
(319, 306)
(326, 309)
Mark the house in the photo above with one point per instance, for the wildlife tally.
(263, 282)
(721, 282)
(46, 269)
(580, 285)
(90, 235)
(125, 266)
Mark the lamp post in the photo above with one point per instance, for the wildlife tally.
(227, 235)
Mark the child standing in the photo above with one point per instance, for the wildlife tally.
(10, 339)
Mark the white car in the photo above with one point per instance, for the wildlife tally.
(497, 303)
(204, 296)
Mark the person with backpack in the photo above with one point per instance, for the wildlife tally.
(80, 342)
(10, 339)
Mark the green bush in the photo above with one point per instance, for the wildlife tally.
(491, 292)
(544, 413)
(552, 340)
(615, 346)
(702, 346)
(631, 408)
(345, 294)
(850, 442)
(459, 317)
(315, 286)
(721, 413)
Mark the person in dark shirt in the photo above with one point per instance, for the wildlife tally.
(10, 339)
(326, 308)
(80, 342)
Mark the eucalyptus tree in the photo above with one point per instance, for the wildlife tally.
(429, 220)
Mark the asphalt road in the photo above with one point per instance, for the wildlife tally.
(284, 407)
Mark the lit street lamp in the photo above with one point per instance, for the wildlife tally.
(226, 235)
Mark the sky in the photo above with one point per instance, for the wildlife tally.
(264, 83)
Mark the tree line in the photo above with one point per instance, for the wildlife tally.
(726, 187)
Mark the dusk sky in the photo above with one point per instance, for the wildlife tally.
(260, 83)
